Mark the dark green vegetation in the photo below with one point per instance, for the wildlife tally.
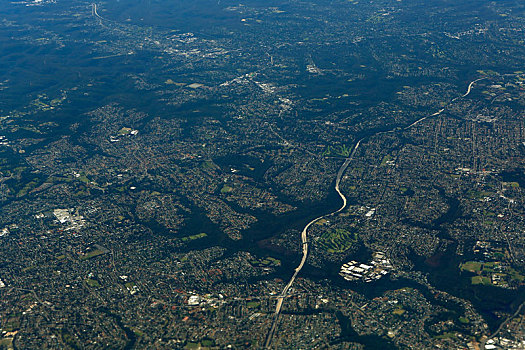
(191, 141)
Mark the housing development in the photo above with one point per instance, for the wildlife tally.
(246, 175)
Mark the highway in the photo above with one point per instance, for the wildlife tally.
(94, 11)
(304, 233)
(469, 88)
(502, 325)
(305, 244)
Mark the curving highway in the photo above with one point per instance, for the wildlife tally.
(304, 233)
(304, 241)
(94, 11)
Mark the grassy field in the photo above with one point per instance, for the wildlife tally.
(386, 158)
(92, 283)
(481, 280)
(6, 343)
(398, 312)
(194, 237)
(471, 266)
(92, 254)
(252, 304)
(226, 189)
(337, 151)
(337, 241)
(484, 271)
(266, 262)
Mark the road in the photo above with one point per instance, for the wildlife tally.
(469, 88)
(305, 244)
(503, 324)
(304, 233)
(94, 11)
